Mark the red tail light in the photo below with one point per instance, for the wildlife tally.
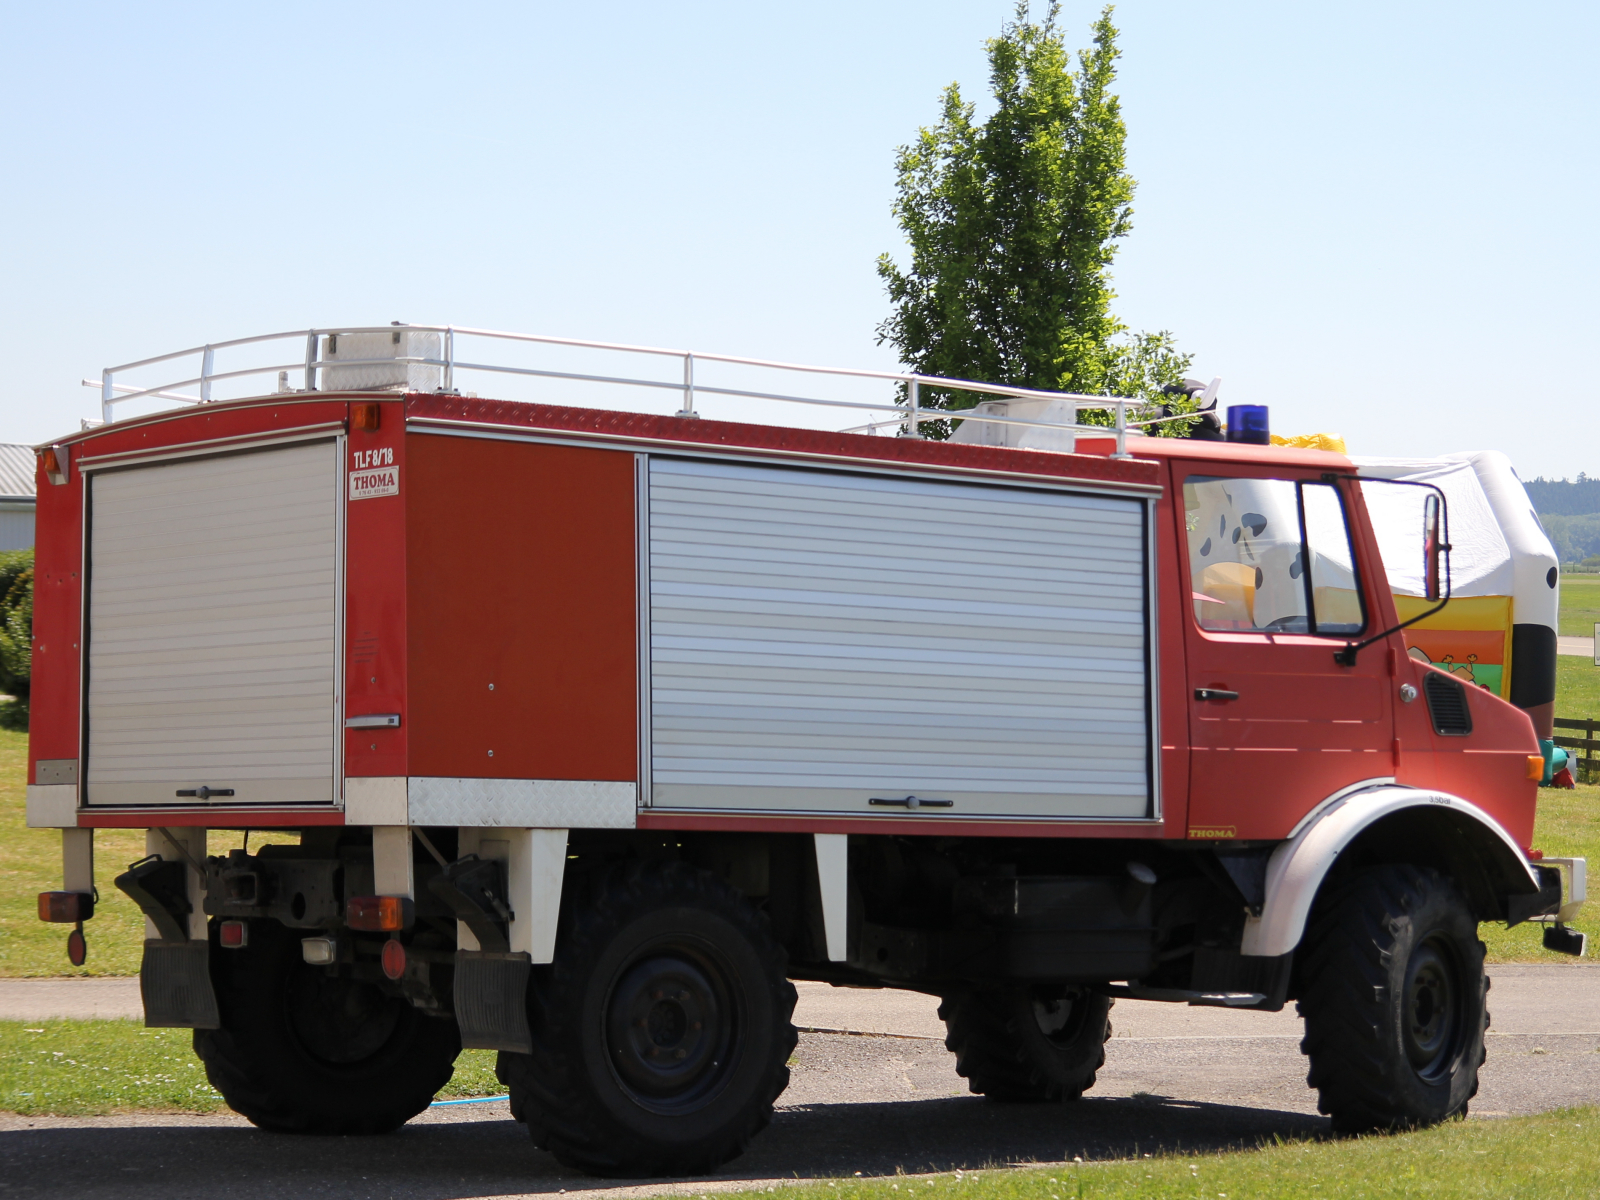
(394, 959)
(65, 908)
(233, 935)
(378, 914)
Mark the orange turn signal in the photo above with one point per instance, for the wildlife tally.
(377, 914)
(65, 908)
(54, 461)
(1536, 767)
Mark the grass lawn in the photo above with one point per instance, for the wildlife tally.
(1526, 1158)
(1577, 691)
(30, 863)
(1580, 605)
(86, 1068)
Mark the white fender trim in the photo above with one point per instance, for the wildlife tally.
(1297, 867)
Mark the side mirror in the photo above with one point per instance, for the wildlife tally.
(1432, 547)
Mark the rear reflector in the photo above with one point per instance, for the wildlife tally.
(234, 935)
(65, 908)
(378, 914)
(394, 959)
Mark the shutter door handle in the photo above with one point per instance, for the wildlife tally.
(204, 793)
(912, 802)
(1214, 694)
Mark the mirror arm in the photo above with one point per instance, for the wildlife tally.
(1345, 656)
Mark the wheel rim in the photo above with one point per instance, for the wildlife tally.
(1432, 1020)
(340, 1022)
(1060, 1017)
(672, 1026)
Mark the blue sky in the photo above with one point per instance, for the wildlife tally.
(1375, 218)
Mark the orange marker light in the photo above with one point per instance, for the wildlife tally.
(1536, 767)
(65, 908)
(376, 914)
(54, 461)
(365, 416)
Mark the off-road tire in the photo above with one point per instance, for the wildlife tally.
(1394, 998)
(301, 1051)
(656, 965)
(1011, 1043)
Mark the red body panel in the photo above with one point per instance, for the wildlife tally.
(375, 641)
(523, 615)
(57, 626)
(509, 558)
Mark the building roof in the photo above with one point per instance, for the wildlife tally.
(17, 466)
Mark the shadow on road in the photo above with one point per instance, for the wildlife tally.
(438, 1160)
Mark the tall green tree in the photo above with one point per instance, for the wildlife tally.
(1012, 224)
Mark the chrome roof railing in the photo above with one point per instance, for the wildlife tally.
(909, 413)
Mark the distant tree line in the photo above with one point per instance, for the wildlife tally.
(1576, 539)
(1564, 497)
(1569, 510)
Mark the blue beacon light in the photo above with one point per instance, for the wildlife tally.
(1247, 423)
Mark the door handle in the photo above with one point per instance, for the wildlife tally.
(912, 802)
(1214, 694)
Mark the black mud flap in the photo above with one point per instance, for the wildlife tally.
(491, 1000)
(175, 985)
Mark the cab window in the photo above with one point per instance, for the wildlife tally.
(1271, 556)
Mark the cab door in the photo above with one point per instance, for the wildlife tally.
(1275, 723)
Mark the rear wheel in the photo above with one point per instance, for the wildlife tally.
(661, 1033)
(303, 1051)
(1394, 999)
(1027, 1043)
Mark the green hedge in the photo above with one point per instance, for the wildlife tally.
(16, 635)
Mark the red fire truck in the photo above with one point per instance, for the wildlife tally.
(598, 727)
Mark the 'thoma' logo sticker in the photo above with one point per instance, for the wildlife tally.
(378, 481)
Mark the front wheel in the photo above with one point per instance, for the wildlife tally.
(1394, 999)
(661, 1033)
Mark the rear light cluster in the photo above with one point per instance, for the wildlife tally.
(378, 914)
(69, 908)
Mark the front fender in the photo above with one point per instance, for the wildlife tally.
(1297, 868)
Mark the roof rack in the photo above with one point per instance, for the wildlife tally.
(440, 362)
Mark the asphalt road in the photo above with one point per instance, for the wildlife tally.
(881, 1098)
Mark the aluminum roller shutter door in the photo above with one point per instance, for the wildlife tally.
(818, 639)
(213, 589)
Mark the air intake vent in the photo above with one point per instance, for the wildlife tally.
(1447, 702)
